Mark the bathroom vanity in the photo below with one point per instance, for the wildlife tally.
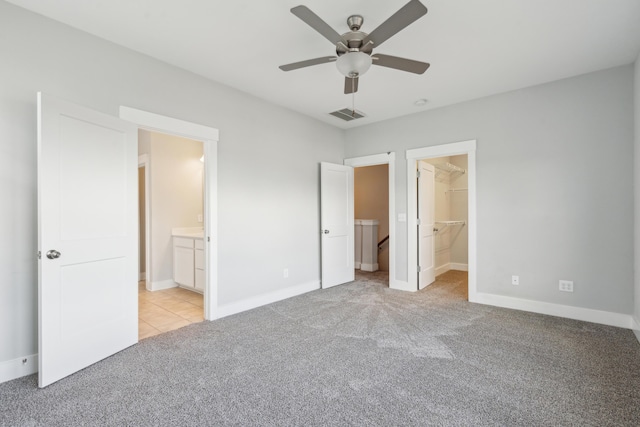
(188, 258)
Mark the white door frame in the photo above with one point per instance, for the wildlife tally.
(388, 158)
(452, 149)
(209, 137)
(143, 161)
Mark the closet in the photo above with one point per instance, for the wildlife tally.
(451, 213)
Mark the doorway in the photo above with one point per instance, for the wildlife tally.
(389, 246)
(171, 232)
(209, 138)
(467, 148)
(446, 201)
(371, 208)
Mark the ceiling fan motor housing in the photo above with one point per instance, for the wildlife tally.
(355, 22)
(354, 38)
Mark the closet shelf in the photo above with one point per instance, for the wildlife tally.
(455, 190)
(445, 224)
(448, 172)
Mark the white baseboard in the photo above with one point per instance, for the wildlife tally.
(442, 269)
(451, 266)
(459, 266)
(259, 301)
(143, 276)
(160, 285)
(369, 267)
(570, 312)
(356, 265)
(20, 367)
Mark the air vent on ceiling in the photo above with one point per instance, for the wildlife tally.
(347, 114)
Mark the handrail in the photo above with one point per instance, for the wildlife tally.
(382, 242)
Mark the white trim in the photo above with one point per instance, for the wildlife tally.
(160, 123)
(442, 269)
(369, 267)
(459, 266)
(452, 149)
(209, 137)
(451, 266)
(143, 161)
(559, 310)
(161, 285)
(269, 298)
(16, 368)
(388, 158)
(143, 276)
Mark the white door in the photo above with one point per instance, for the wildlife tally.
(337, 219)
(426, 222)
(87, 237)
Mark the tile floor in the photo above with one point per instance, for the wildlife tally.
(166, 310)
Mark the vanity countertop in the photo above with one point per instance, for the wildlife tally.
(191, 232)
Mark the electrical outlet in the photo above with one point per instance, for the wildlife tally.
(285, 273)
(515, 280)
(565, 286)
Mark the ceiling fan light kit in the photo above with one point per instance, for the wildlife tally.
(354, 49)
(354, 64)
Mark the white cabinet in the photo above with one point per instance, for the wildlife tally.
(199, 264)
(188, 262)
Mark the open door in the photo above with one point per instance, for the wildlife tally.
(337, 224)
(87, 237)
(426, 222)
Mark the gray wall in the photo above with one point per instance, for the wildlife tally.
(554, 185)
(268, 161)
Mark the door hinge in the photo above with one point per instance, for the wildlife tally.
(418, 221)
(418, 270)
(418, 173)
(39, 255)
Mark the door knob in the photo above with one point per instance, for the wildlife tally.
(326, 231)
(53, 254)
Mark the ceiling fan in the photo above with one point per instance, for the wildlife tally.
(354, 49)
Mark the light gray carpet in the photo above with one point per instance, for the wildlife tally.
(357, 354)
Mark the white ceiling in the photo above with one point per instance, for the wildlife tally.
(476, 48)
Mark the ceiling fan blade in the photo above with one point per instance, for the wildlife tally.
(403, 64)
(315, 22)
(407, 14)
(307, 63)
(350, 85)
